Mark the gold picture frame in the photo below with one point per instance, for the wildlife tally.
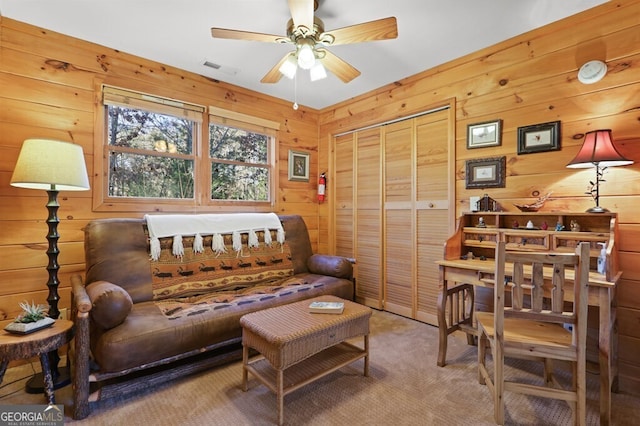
(298, 166)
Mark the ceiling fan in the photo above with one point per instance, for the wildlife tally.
(306, 32)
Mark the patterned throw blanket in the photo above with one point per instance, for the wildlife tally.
(189, 306)
(195, 281)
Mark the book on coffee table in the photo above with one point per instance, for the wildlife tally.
(326, 307)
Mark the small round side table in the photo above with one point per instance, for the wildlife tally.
(38, 343)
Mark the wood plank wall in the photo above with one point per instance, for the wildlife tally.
(47, 83)
(527, 80)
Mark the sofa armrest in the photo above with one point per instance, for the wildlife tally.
(80, 349)
(334, 266)
(80, 297)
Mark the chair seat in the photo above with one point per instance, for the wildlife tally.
(520, 331)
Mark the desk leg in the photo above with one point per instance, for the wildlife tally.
(607, 351)
(442, 321)
(47, 379)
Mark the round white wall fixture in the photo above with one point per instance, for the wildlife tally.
(592, 72)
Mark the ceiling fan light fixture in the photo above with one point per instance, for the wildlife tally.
(317, 72)
(289, 67)
(306, 56)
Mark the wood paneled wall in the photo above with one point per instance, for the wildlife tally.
(47, 85)
(47, 89)
(527, 80)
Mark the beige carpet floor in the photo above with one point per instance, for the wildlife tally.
(405, 387)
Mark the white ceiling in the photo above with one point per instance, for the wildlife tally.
(177, 33)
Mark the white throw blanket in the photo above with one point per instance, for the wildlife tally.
(179, 225)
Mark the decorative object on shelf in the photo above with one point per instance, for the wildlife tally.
(592, 72)
(486, 172)
(601, 264)
(516, 224)
(481, 223)
(51, 166)
(32, 318)
(481, 135)
(530, 224)
(534, 207)
(598, 150)
(544, 226)
(487, 204)
(559, 226)
(298, 166)
(575, 226)
(539, 138)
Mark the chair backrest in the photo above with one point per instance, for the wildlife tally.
(525, 273)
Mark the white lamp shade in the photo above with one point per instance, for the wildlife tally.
(49, 164)
(289, 67)
(306, 57)
(317, 72)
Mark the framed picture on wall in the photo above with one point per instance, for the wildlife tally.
(298, 166)
(539, 138)
(485, 134)
(486, 172)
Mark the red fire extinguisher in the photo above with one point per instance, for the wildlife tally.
(322, 182)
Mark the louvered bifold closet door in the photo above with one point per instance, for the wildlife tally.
(343, 184)
(432, 207)
(399, 222)
(368, 218)
(393, 213)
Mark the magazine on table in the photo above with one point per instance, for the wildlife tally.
(326, 307)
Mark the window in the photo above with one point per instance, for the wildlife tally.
(155, 153)
(240, 168)
(241, 157)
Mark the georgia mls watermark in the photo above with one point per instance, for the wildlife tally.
(32, 415)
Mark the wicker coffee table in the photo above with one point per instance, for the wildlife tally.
(297, 347)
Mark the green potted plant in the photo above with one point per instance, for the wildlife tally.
(32, 318)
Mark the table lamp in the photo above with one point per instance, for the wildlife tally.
(51, 166)
(599, 151)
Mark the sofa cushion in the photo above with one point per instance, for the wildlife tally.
(147, 335)
(110, 304)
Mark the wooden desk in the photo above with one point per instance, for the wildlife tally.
(459, 277)
(38, 343)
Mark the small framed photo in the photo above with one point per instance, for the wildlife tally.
(486, 172)
(539, 138)
(485, 134)
(299, 166)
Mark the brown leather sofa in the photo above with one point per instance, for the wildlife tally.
(125, 343)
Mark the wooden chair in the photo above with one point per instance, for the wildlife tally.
(536, 330)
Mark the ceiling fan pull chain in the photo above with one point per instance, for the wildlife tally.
(295, 92)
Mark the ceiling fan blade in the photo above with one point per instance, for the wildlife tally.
(302, 13)
(245, 35)
(274, 75)
(337, 66)
(382, 29)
